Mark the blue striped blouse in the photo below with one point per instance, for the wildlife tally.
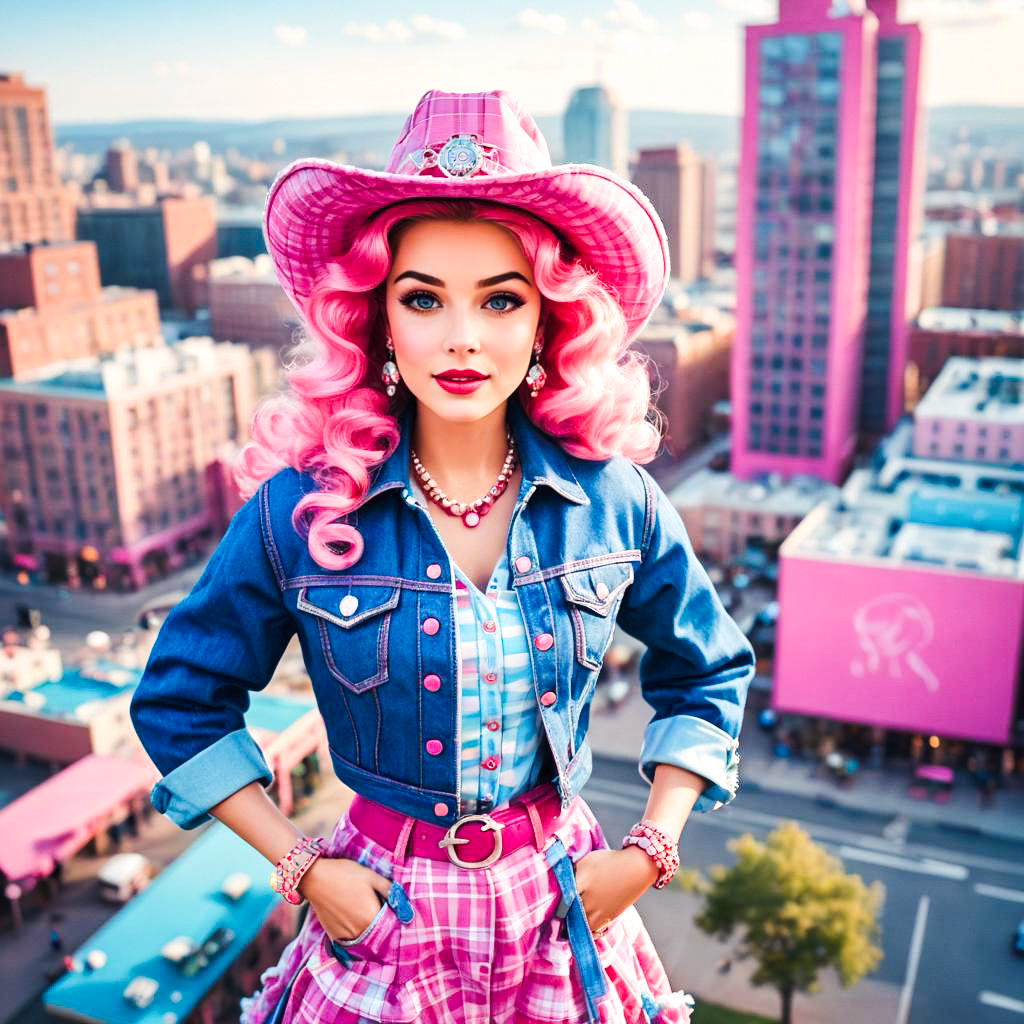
(501, 730)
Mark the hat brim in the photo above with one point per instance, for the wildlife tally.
(315, 207)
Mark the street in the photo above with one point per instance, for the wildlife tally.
(951, 904)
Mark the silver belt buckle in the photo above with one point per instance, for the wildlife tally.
(451, 841)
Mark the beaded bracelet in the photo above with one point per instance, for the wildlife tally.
(658, 847)
(293, 865)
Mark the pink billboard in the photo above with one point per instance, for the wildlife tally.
(923, 650)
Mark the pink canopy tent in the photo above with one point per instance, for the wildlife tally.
(53, 821)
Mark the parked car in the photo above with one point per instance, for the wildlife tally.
(199, 958)
(141, 990)
(124, 875)
(1018, 938)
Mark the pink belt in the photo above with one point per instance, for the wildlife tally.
(474, 841)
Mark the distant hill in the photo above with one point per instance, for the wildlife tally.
(368, 138)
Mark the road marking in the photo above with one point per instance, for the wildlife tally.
(996, 892)
(732, 818)
(937, 868)
(916, 942)
(897, 829)
(1003, 1002)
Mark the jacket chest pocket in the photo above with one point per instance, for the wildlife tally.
(593, 596)
(354, 624)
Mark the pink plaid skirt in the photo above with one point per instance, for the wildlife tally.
(484, 946)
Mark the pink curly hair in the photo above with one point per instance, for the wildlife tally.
(336, 421)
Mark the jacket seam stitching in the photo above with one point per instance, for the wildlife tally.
(645, 541)
(344, 581)
(364, 684)
(267, 534)
(612, 558)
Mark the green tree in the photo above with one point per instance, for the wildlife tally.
(799, 911)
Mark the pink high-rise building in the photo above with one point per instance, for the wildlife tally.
(896, 214)
(804, 254)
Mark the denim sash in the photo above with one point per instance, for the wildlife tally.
(581, 940)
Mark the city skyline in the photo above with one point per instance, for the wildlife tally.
(175, 64)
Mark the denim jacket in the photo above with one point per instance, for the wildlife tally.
(590, 543)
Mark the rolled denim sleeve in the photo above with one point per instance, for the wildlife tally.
(221, 642)
(698, 665)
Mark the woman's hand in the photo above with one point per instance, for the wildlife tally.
(345, 895)
(609, 881)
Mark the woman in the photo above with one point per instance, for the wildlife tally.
(447, 509)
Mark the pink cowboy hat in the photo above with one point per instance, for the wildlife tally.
(471, 146)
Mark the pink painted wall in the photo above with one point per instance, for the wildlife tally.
(904, 648)
(971, 440)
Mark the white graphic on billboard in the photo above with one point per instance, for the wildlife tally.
(892, 631)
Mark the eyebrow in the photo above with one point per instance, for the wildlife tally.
(485, 283)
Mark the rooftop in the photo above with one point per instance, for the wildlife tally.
(239, 215)
(185, 900)
(793, 497)
(986, 321)
(118, 372)
(48, 822)
(984, 390)
(910, 511)
(108, 294)
(240, 268)
(76, 693)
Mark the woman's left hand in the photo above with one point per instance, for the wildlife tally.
(610, 881)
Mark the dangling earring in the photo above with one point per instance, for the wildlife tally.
(389, 372)
(536, 376)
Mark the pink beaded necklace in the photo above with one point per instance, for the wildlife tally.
(469, 513)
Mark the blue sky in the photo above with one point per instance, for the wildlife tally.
(110, 60)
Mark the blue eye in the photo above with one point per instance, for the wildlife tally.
(420, 302)
(504, 303)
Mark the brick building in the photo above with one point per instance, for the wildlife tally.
(112, 466)
(53, 308)
(691, 372)
(34, 205)
(984, 272)
(156, 246)
(941, 334)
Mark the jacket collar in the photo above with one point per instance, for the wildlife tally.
(543, 460)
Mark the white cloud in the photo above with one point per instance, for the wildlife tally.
(756, 10)
(392, 31)
(697, 20)
(627, 14)
(591, 25)
(290, 35)
(171, 68)
(533, 19)
(428, 26)
(962, 12)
